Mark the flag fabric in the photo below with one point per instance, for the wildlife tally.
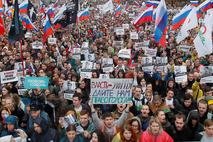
(16, 30)
(50, 12)
(27, 23)
(9, 12)
(48, 31)
(42, 7)
(117, 1)
(60, 13)
(206, 5)
(144, 17)
(83, 15)
(118, 10)
(194, 2)
(2, 29)
(161, 24)
(203, 40)
(179, 19)
(1, 7)
(152, 3)
(31, 11)
(23, 7)
(108, 6)
(190, 23)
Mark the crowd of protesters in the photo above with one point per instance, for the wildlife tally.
(161, 110)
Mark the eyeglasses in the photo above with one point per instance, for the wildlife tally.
(135, 126)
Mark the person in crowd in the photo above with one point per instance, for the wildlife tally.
(208, 133)
(11, 126)
(155, 132)
(5, 112)
(180, 129)
(137, 101)
(188, 104)
(42, 131)
(135, 123)
(97, 136)
(125, 135)
(144, 117)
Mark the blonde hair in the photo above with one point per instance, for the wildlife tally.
(154, 120)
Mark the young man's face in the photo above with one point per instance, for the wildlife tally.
(187, 103)
(84, 120)
(202, 108)
(179, 123)
(209, 130)
(108, 121)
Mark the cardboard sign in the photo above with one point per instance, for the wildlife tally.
(150, 52)
(179, 79)
(133, 35)
(120, 31)
(36, 82)
(28, 35)
(52, 40)
(125, 26)
(9, 76)
(111, 91)
(125, 53)
(37, 45)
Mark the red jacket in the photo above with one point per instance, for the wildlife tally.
(163, 137)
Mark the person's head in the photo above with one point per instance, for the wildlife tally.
(5, 112)
(97, 136)
(121, 74)
(148, 95)
(135, 124)
(76, 99)
(187, 100)
(12, 123)
(208, 91)
(143, 82)
(208, 126)
(171, 83)
(121, 107)
(190, 76)
(5, 90)
(202, 107)
(157, 100)
(155, 127)
(82, 84)
(10, 103)
(137, 92)
(35, 110)
(160, 114)
(127, 133)
(197, 62)
(179, 121)
(108, 119)
(84, 118)
(145, 111)
(40, 125)
(169, 94)
(71, 132)
(149, 87)
(193, 119)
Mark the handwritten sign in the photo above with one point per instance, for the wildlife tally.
(36, 82)
(9, 76)
(111, 91)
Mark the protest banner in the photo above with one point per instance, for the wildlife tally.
(85, 45)
(104, 76)
(161, 61)
(119, 31)
(69, 85)
(36, 82)
(111, 91)
(148, 69)
(150, 52)
(184, 48)
(28, 35)
(118, 44)
(68, 96)
(147, 61)
(9, 76)
(179, 70)
(18, 66)
(87, 75)
(182, 78)
(89, 57)
(206, 73)
(87, 65)
(52, 40)
(133, 35)
(21, 91)
(125, 53)
(37, 45)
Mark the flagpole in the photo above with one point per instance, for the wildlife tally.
(22, 58)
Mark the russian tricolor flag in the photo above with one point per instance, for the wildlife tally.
(50, 12)
(83, 15)
(27, 23)
(206, 5)
(118, 11)
(161, 22)
(144, 17)
(47, 29)
(179, 19)
(194, 2)
(23, 7)
(152, 3)
(42, 7)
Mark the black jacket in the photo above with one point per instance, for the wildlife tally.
(184, 135)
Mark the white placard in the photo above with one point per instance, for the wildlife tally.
(150, 52)
(133, 35)
(180, 79)
(37, 45)
(179, 70)
(125, 26)
(147, 60)
(69, 85)
(125, 53)
(9, 76)
(21, 91)
(52, 40)
(104, 76)
(18, 66)
(76, 50)
(87, 75)
(206, 71)
(208, 79)
(87, 65)
(28, 35)
(148, 69)
(119, 31)
(111, 91)
(68, 96)
(89, 57)
(161, 60)
(184, 48)
(85, 45)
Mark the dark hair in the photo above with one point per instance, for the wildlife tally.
(180, 115)
(187, 97)
(78, 95)
(208, 122)
(84, 112)
(208, 89)
(107, 114)
(71, 127)
(158, 111)
(100, 135)
(129, 128)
